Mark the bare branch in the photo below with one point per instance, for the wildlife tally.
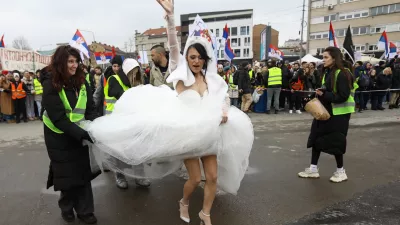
(21, 43)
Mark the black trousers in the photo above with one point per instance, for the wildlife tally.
(284, 98)
(78, 198)
(295, 100)
(20, 108)
(316, 154)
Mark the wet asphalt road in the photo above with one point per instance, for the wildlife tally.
(271, 192)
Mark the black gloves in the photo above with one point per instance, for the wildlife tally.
(87, 137)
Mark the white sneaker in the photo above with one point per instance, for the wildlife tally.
(298, 111)
(291, 111)
(339, 177)
(308, 173)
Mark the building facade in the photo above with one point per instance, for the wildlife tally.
(240, 24)
(367, 18)
(257, 29)
(151, 37)
(292, 43)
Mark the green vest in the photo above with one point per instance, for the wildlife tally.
(76, 115)
(38, 87)
(88, 79)
(275, 76)
(110, 101)
(347, 106)
(231, 84)
(251, 74)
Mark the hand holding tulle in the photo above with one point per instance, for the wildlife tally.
(168, 6)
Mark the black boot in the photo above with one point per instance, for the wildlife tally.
(276, 111)
(88, 218)
(68, 216)
(391, 107)
(268, 112)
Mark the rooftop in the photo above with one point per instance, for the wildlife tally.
(159, 31)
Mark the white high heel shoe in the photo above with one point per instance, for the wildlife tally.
(202, 216)
(184, 211)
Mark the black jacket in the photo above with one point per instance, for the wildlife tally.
(396, 78)
(69, 159)
(296, 74)
(310, 82)
(383, 82)
(330, 136)
(114, 88)
(286, 76)
(244, 81)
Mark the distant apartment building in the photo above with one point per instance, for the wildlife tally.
(292, 43)
(240, 23)
(151, 37)
(367, 18)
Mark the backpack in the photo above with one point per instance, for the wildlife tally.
(236, 78)
(364, 80)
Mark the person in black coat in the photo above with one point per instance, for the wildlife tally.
(244, 86)
(395, 65)
(330, 136)
(383, 82)
(284, 97)
(70, 171)
(20, 103)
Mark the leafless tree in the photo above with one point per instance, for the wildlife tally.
(21, 43)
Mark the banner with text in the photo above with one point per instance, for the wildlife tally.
(14, 59)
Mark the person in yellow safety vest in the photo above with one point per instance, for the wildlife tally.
(273, 83)
(115, 87)
(233, 90)
(67, 103)
(337, 96)
(38, 92)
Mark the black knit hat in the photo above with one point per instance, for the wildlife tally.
(117, 60)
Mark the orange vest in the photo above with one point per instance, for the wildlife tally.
(19, 92)
(298, 86)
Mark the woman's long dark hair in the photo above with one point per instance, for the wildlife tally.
(59, 68)
(203, 53)
(338, 63)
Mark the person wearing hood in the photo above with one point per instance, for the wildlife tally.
(395, 84)
(6, 103)
(19, 93)
(115, 87)
(67, 102)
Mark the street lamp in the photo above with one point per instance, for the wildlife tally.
(94, 38)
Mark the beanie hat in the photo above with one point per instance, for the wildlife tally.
(4, 72)
(117, 60)
(226, 68)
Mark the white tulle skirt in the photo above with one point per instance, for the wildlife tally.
(152, 131)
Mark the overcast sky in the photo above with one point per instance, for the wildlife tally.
(47, 22)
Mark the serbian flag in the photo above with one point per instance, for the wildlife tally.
(392, 50)
(274, 52)
(79, 42)
(103, 57)
(383, 43)
(228, 52)
(2, 42)
(332, 37)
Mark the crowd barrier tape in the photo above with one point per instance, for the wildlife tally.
(370, 91)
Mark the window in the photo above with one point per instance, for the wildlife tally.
(354, 15)
(377, 29)
(246, 41)
(243, 31)
(373, 47)
(365, 14)
(341, 32)
(312, 37)
(217, 32)
(234, 31)
(222, 54)
(234, 42)
(349, 16)
(357, 15)
(385, 9)
(248, 30)
(360, 48)
(212, 30)
(246, 52)
(330, 18)
(318, 36)
(346, 1)
(237, 52)
(239, 40)
(325, 36)
(317, 4)
(360, 30)
(320, 50)
(342, 17)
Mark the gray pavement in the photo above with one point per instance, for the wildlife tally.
(271, 192)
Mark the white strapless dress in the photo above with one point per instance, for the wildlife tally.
(156, 129)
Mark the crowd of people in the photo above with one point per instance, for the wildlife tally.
(292, 85)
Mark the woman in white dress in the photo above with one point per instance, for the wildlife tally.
(161, 128)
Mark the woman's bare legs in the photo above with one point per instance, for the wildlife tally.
(194, 171)
(210, 169)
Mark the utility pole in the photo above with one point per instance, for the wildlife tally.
(302, 29)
